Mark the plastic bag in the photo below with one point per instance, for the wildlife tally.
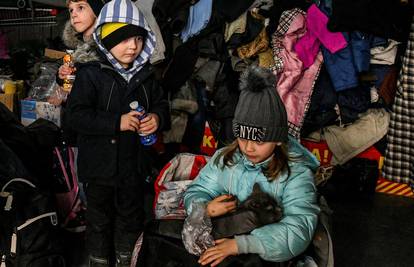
(45, 85)
(197, 229)
(58, 96)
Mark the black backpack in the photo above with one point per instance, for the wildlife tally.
(28, 227)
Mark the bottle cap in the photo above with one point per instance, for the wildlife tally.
(134, 105)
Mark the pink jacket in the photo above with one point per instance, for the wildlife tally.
(308, 46)
(294, 84)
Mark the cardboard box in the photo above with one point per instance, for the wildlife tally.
(33, 110)
(8, 100)
(50, 53)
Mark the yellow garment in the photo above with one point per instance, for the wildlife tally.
(9, 87)
(110, 27)
(258, 45)
(266, 59)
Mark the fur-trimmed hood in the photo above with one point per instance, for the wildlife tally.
(70, 37)
(83, 51)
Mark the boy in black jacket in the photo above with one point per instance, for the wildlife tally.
(110, 153)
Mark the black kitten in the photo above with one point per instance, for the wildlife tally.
(257, 210)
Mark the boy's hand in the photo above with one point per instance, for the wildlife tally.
(221, 205)
(222, 249)
(64, 70)
(149, 124)
(129, 122)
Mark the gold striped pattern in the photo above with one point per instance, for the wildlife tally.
(388, 187)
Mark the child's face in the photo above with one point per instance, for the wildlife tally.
(255, 151)
(127, 50)
(82, 17)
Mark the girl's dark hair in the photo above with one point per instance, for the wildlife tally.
(278, 165)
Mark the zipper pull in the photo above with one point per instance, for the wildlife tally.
(9, 202)
(3, 261)
(13, 245)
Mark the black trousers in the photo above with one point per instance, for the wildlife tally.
(114, 216)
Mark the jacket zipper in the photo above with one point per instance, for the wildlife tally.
(146, 97)
(110, 96)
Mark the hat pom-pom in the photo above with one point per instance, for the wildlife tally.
(256, 79)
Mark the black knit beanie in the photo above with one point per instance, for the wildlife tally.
(96, 5)
(121, 33)
(260, 113)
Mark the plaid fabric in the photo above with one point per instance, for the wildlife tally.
(286, 19)
(125, 11)
(399, 156)
(285, 22)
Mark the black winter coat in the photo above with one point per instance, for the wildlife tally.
(99, 97)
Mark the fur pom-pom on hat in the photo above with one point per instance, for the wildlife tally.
(256, 79)
(260, 113)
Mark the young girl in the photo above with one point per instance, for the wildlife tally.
(264, 154)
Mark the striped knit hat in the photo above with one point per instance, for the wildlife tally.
(123, 12)
(113, 33)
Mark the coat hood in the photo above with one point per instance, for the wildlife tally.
(301, 154)
(83, 51)
(70, 37)
(125, 11)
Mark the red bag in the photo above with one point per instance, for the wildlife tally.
(172, 182)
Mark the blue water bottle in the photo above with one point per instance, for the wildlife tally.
(146, 140)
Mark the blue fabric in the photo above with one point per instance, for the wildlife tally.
(341, 65)
(296, 194)
(341, 68)
(353, 102)
(361, 50)
(380, 71)
(198, 19)
(378, 41)
(326, 7)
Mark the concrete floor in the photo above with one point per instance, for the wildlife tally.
(373, 231)
(368, 231)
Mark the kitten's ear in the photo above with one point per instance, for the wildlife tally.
(256, 188)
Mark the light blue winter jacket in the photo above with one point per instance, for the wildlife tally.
(296, 195)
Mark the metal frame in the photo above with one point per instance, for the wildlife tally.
(28, 16)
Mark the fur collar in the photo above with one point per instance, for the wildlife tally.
(70, 37)
(84, 51)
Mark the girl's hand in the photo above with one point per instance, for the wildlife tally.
(221, 205)
(130, 122)
(222, 249)
(64, 71)
(149, 124)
